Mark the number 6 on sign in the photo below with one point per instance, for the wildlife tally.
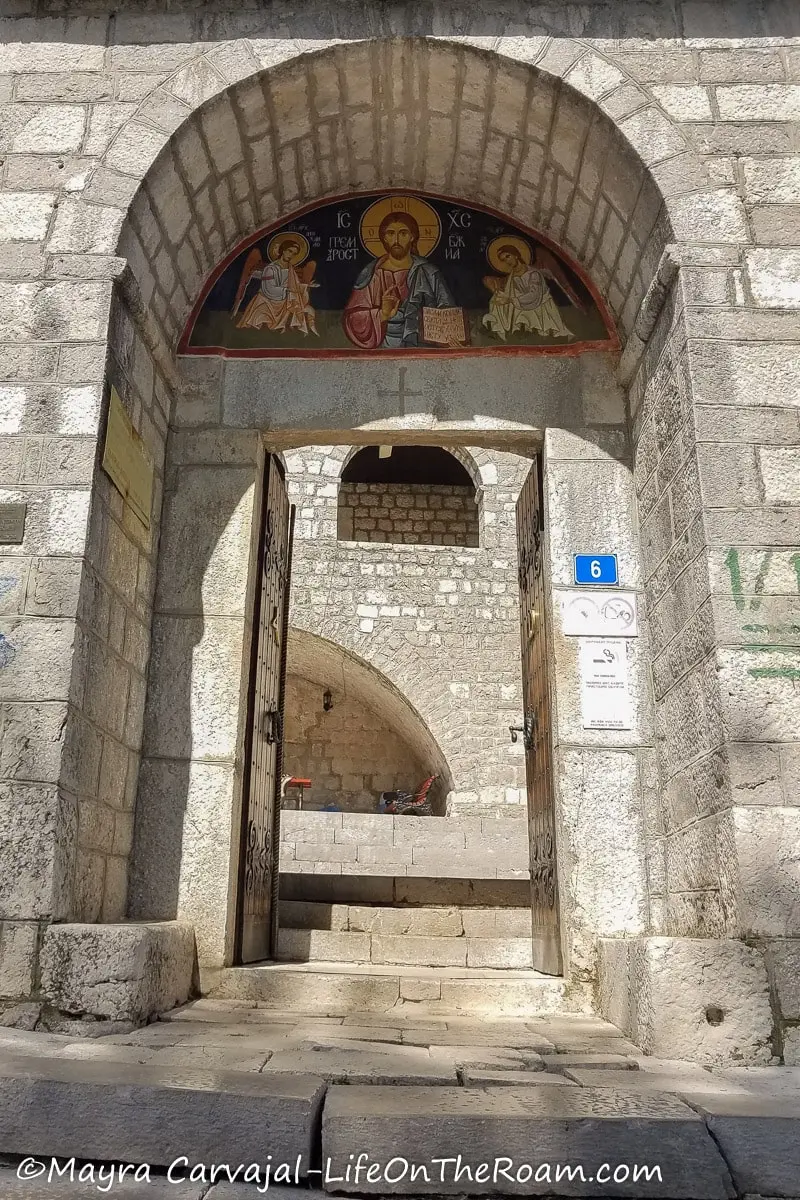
(596, 568)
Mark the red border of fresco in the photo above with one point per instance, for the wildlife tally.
(612, 343)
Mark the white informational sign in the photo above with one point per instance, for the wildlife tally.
(605, 695)
(599, 614)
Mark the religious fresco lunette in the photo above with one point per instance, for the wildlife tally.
(394, 273)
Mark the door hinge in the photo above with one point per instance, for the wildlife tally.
(272, 725)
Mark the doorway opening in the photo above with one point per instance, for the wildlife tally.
(399, 671)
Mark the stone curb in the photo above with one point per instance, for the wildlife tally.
(709, 1146)
(104, 1112)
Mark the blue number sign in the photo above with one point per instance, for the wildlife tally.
(596, 568)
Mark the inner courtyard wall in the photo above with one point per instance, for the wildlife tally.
(349, 753)
(424, 514)
(440, 622)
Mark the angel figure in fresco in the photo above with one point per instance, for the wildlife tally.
(282, 301)
(521, 300)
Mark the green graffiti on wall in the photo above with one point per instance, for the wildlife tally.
(752, 601)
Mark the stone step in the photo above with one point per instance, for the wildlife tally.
(315, 945)
(405, 890)
(519, 1130)
(107, 1111)
(423, 921)
(336, 989)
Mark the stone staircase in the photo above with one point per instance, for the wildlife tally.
(465, 959)
(390, 915)
(334, 989)
(423, 937)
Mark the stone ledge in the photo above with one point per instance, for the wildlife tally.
(760, 1138)
(526, 1124)
(127, 973)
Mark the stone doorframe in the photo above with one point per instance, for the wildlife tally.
(191, 768)
(708, 324)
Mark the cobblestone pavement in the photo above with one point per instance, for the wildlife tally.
(561, 1088)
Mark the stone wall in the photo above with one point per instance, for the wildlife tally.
(104, 731)
(718, 494)
(187, 818)
(602, 778)
(427, 514)
(80, 587)
(50, 405)
(684, 877)
(717, 464)
(421, 847)
(440, 622)
(350, 753)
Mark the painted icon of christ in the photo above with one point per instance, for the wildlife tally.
(385, 307)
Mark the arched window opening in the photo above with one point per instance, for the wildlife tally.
(418, 495)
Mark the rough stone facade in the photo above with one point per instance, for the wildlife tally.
(658, 145)
(425, 514)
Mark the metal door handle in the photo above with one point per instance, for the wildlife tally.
(526, 729)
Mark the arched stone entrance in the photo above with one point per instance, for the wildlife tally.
(616, 182)
(570, 173)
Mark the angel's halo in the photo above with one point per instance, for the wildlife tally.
(278, 241)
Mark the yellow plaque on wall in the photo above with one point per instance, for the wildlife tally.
(126, 461)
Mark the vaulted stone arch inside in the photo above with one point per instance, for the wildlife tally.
(378, 738)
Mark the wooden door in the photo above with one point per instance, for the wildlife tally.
(260, 834)
(536, 729)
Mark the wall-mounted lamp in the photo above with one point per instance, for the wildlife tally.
(327, 700)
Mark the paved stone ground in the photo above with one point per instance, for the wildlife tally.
(413, 1082)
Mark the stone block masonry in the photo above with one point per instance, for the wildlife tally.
(440, 621)
(424, 514)
(717, 494)
(385, 845)
(552, 1083)
(70, 977)
(76, 629)
(350, 754)
(675, 126)
(484, 1124)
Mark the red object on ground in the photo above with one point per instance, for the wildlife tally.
(424, 789)
(405, 802)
